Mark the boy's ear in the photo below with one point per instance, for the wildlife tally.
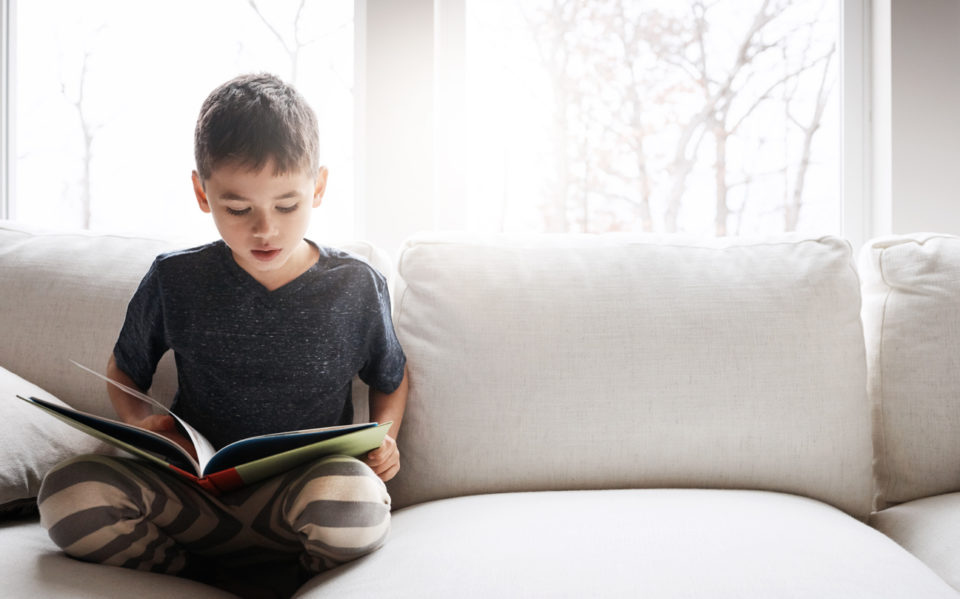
(200, 193)
(321, 186)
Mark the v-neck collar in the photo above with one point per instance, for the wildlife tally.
(252, 285)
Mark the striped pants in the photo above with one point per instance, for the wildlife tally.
(125, 512)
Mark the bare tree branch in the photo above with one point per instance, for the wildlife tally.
(269, 25)
(766, 94)
(613, 67)
(792, 214)
(292, 50)
(88, 131)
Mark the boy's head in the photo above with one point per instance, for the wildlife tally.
(256, 146)
(252, 119)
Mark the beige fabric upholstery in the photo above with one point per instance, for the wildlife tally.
(65, 300)
(930, 529)
(548, 363)
(556, 363)
(32, 566)
(911, 315)
(659, 543)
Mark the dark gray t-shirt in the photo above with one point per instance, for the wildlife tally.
(252, 361)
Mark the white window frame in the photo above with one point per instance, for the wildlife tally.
(859, 219)
(395, 119)
(7, 109)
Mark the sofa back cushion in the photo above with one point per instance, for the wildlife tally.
(579, 362)
(64, 297)
(911, 316)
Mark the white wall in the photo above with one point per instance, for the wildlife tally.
(917, 116)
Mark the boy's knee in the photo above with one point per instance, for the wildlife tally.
(339, 508)
(96, 509)
(336, 478)
(84, 492)
(85, 474)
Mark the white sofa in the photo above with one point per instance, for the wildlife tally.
(589, 416)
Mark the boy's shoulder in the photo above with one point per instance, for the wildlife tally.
(190, 257)
(340, 262)
(184, 265)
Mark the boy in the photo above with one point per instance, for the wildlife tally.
(268, 330)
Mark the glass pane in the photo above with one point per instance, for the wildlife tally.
(706, 118)
(108, 94)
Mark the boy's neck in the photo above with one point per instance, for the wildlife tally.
(303, 258)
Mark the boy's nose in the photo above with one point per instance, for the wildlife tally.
(264, 227)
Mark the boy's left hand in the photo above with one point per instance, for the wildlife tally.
(385, 460)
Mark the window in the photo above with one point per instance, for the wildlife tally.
(706, 118)
(108, 92)
(493, 115)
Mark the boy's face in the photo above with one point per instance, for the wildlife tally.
(263, 217)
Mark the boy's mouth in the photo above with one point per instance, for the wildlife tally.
(265, 255)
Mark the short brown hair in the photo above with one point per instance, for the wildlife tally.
(251, 119)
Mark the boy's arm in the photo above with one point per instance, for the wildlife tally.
(139, 413)
(130, 409)
(386, 407)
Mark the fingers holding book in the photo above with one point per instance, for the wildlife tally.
(385, 460)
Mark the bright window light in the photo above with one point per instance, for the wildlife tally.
(108, 92)
(706, 118)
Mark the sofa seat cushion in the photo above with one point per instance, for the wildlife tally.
(930, 529)
(32, 566)
(632, 543)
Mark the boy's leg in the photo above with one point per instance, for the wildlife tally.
(338, 508)
(122, 512)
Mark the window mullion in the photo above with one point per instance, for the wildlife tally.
(7, 106)
(858, 214)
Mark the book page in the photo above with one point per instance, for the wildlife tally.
(138, 441)
(204, 448)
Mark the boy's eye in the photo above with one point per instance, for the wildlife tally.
(288, 209)
(235, 212)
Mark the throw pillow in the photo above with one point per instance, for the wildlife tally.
(31, 443)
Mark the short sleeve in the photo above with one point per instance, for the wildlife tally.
(384, 367)
(142, 342)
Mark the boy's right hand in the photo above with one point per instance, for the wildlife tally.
(167, 426)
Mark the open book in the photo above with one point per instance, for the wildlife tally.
(239, 463)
